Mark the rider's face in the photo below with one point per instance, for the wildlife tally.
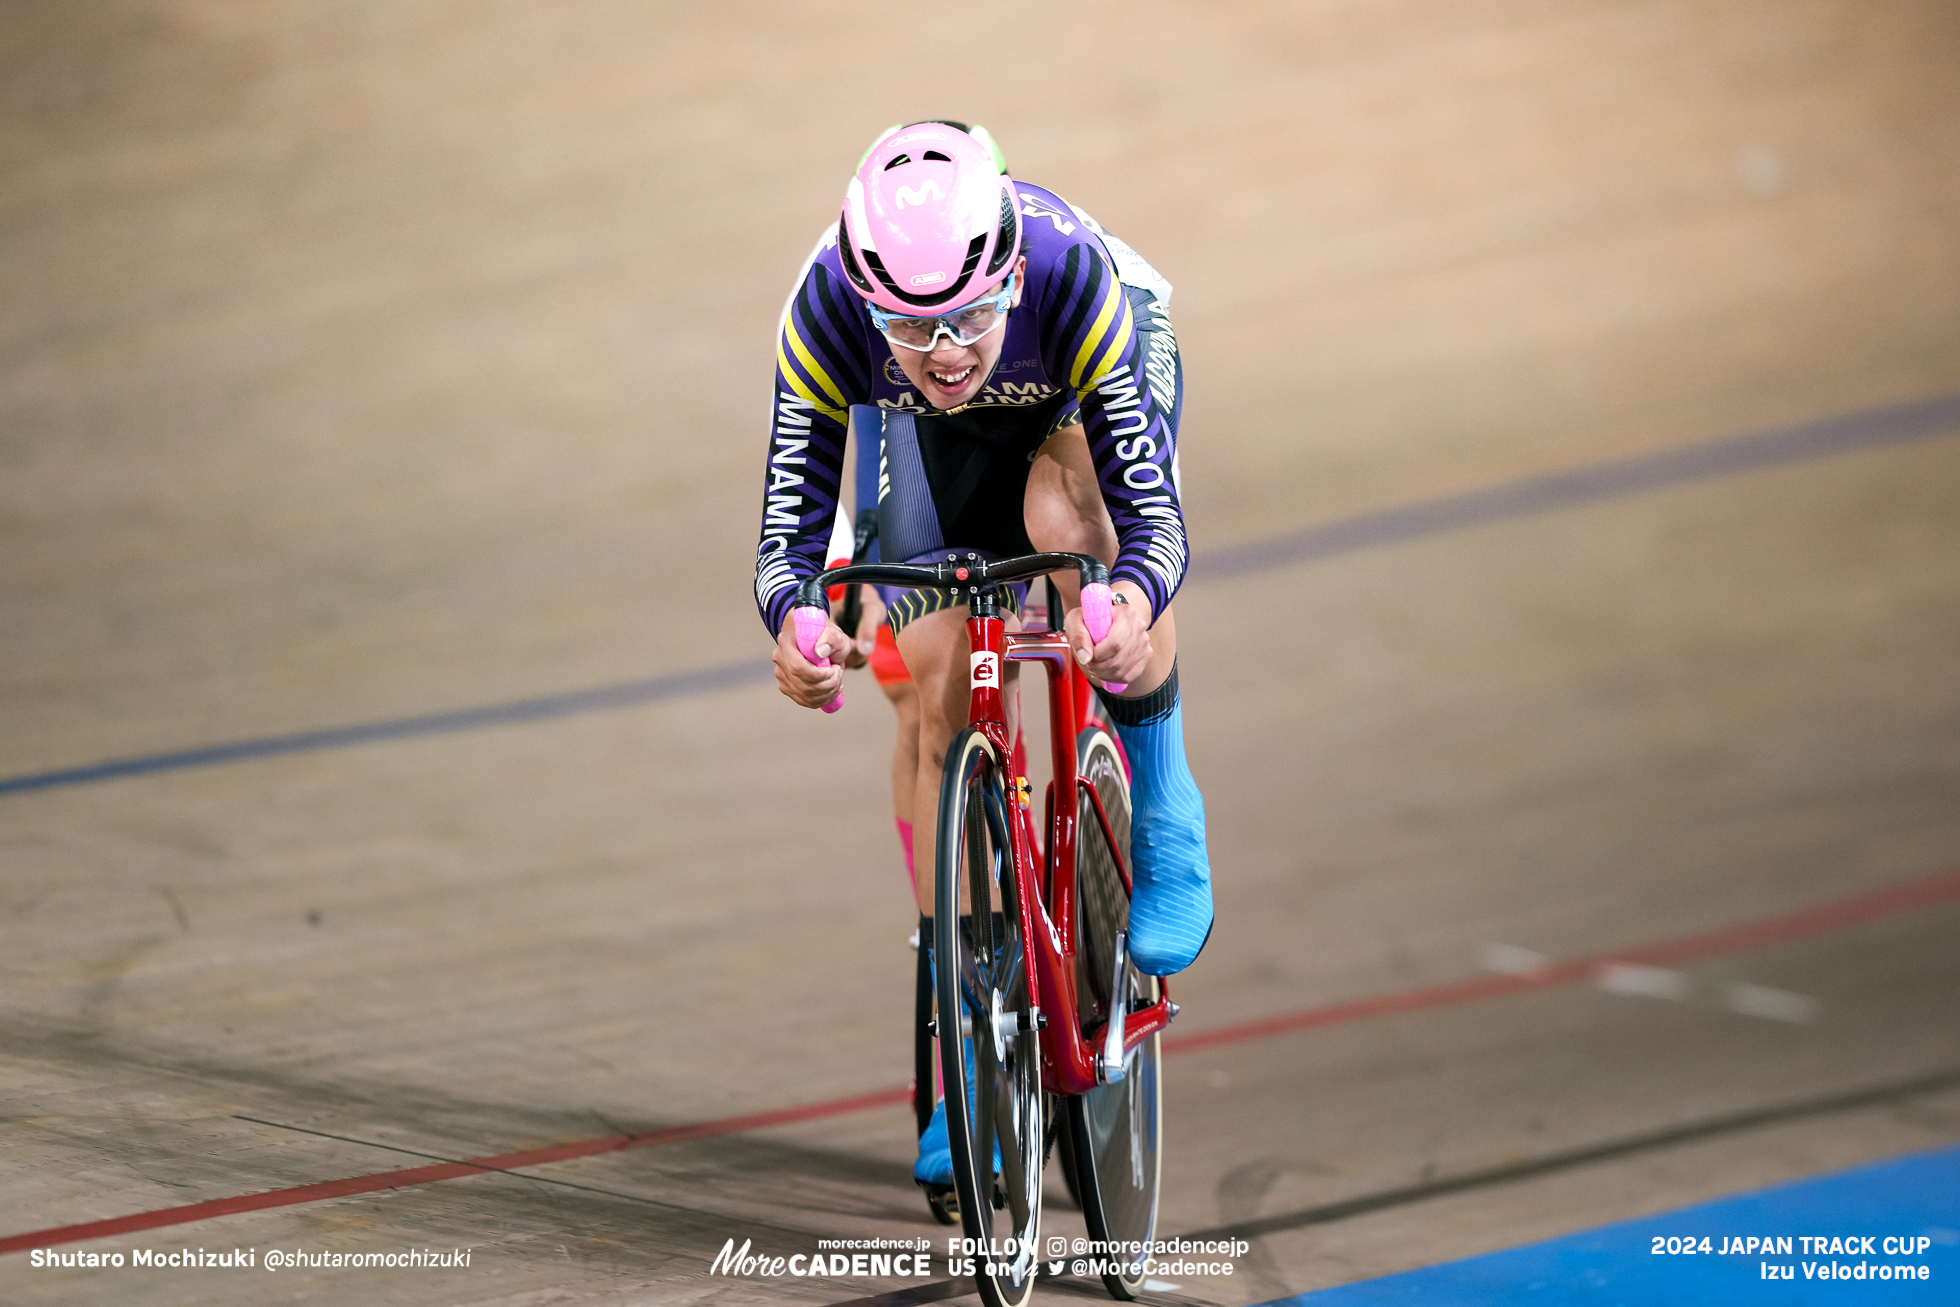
(950, 375)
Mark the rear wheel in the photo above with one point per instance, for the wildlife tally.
(1114, 1132)
(989, 1053)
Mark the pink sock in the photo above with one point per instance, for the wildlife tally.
(905, 839)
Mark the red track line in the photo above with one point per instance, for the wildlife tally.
(367, 1184)
(1912, 896)
(1908, 897)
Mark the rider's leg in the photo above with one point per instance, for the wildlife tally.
(905, 772)
(896, 682)
(1171, 912)
(943, 489)
(935, 649)
(930, 645)
(1063, 507)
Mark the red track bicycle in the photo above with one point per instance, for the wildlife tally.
(1037, 1003)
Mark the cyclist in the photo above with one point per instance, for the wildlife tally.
(875, 641)
(1026, 374)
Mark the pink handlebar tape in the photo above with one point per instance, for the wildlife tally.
(809, 629)
(1098, 616)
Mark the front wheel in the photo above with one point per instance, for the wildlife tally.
(986, 1025)
(1114, 1132)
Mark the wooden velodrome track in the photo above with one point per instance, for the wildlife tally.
(366, 362)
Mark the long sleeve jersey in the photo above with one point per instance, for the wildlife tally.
(1075, 329)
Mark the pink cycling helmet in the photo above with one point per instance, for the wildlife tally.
(929, 220)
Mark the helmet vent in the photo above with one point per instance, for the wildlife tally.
(934, 154)
(903, 158)
(1007, 235)
(848, 257)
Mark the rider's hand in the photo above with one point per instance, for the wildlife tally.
(1125, 651)
(798, 677)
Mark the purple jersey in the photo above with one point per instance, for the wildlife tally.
(1075, 331)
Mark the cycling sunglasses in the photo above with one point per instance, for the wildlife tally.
(964, 325)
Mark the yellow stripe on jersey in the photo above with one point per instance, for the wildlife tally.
(801, 387)
(1115, 351)
(810, 363)
(1114, 290)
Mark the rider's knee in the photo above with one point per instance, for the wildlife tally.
(1056, 527)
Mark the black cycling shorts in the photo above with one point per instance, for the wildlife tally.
(959, 481)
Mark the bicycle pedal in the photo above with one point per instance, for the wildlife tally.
(943, 1200)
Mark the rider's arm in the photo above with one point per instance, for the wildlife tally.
(1125, 381)
(822, 367)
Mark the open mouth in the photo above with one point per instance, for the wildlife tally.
(951, 380)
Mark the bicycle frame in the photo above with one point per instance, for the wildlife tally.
(1071, 1061)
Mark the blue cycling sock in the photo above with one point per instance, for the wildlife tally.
(935, 1164)
(1170, 908)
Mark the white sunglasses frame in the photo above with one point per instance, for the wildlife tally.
(940, 326)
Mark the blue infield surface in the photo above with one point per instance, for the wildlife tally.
(1888, 1233)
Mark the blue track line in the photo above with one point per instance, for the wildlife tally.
(629, 695)
(1845, 433)
(1751, 451)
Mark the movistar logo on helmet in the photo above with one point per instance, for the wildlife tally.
(929, 190)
